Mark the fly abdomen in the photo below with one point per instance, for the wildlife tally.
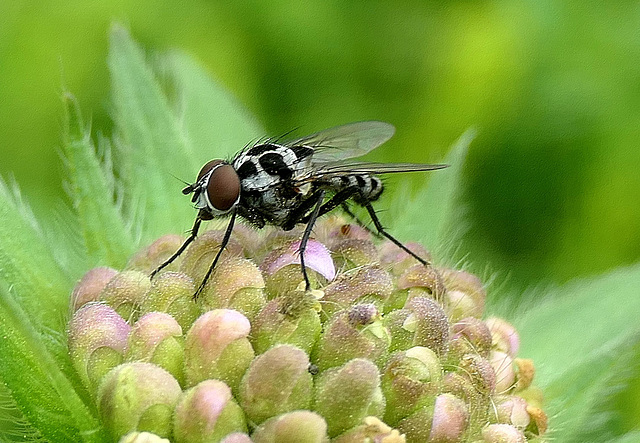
(368, 187)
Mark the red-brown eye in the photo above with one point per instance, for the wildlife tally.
(207, 167)
(223, 189)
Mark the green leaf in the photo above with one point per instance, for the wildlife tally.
(42, 391)
(576, 335)
(153, 149)
(105, 233)
(212, 119)
(29, 265)
(14, 427)
(432, 217)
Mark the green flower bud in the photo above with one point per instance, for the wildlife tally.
(293, 427)
(157, 338)
(217, 347)
(277, 381)
(425, 278)
(502, 433)
(236, 284)
(469, 335)
(206, 413)
(90, 286)
(125, 293)
(345, 396)
(480, 372)
(353, 252)
(138, 397)
(371, 430)
(505, 336)
(366, 284)
(504, 370)
(511, 410)
(172, 292)
(197, 259)
(356, 333)
(142, 437)
(97, 338)
(410, 380)
(279, 264)
(465, 296)
(421, 323)
(149, 258)
(292, 319)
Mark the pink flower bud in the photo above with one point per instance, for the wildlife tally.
(298, 426)
(90, 286)
(316, 258)
(502, 433)
(450, 419)
(398, 261)
(149, 258)
(207, 412)
(237, 437)
(277, 381)
(138, 397)
(469, 335)
(512, 410)
(125, 293)
(348, 394)
(505, 336)
(97, 338)
(216, 347)
(504, 369)
(156, 338)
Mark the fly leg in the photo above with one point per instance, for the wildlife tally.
(347, 210)
(191, 238)
(223, 244)
(307, 232)
(383, 232)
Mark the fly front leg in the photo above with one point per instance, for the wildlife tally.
(188, 241)
(223, 244)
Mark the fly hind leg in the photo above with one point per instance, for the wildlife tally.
(384, 233)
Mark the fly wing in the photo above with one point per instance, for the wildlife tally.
(346, 141)
(350, 168)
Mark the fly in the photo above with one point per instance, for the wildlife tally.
(288, 183)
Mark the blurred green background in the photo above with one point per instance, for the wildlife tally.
(553, 87)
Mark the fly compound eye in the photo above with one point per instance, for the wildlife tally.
(208, 167)
(223, 188)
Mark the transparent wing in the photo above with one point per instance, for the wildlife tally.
(346, 141)
(350, 168)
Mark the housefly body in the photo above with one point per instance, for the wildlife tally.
(288, 183)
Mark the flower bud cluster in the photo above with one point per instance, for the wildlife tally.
(383, 349)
